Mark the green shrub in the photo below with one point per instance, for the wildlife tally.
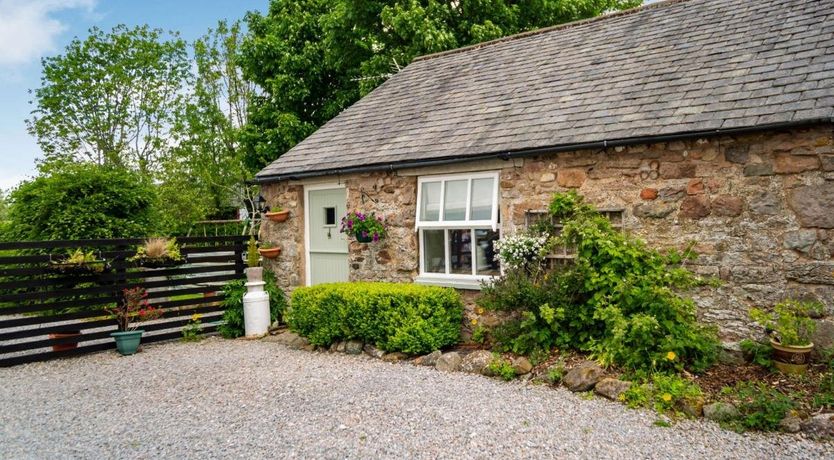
(556, 372)
(394, 317)
(233, 324)
(790, 320)
(502, 368)
(479, 335)
(760, 406)
(618, 300)
(757, 353)
(83, 201)
(663, 393)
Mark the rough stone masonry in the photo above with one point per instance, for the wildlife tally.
(759, 207)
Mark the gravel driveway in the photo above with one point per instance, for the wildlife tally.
(250, 399)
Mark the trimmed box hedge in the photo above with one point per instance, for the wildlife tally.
(394, 317)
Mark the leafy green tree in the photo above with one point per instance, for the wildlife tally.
(313, 58)
(4, 206)
(83, 200)
(110, 99)
(205, 175)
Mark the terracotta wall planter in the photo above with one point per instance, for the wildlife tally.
(67, 345)
(270, 253)
(279, 216)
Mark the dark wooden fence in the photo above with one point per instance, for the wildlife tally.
(36, 300)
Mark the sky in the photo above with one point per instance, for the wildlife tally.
(32, 29)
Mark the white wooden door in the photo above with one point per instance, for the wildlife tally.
(327, 256)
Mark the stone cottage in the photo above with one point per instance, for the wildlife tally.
(697, 120)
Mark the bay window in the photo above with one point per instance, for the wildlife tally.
(457, 221)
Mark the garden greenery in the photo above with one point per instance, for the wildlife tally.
(394, 317)
(233, 324)
(618, 300)
(790, 321)
(664, 393)
(760, 406)
(83, 201)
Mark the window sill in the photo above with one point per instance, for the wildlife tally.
(473, 283)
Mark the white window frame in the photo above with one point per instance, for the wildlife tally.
(461, 281)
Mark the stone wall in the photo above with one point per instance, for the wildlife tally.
(760, 208)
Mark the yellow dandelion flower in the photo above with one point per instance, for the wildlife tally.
(474, 321)
(667, 397)
(480, 311)
(671, 356)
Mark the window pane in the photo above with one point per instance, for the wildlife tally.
(485, 253)
(460, 251)
(430, 201)
(482, 194)
(455, 197)
(434, 255)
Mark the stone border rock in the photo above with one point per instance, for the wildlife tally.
(586, 376)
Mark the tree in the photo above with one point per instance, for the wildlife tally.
(284, 54)
(83, 200)
(4, 206)
(111, 99)
(205, 175)
(313, 58)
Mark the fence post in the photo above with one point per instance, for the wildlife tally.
(239, 265)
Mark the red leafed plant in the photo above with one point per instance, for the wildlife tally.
(134, 308)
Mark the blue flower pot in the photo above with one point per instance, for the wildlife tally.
(127, 342)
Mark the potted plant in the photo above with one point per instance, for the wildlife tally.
(278, 215)
(158, 253)
(269, 250)
(78, 262)
(133, 307)
(790, 328)
(254, 272)
(364, 227)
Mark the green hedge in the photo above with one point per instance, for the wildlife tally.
(394, 317)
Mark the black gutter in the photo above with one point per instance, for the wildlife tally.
(507, 155)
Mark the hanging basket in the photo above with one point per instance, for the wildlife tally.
(363, 239)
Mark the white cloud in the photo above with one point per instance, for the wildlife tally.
(28, 29)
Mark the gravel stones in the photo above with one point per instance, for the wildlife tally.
(612, 388)
(583, 377)
(255, 399)
(476, 362)
(720, 412)
(448, 362)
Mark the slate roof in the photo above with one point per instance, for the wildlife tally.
(670, 67)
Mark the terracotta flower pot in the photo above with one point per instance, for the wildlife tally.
(279, 216)
(67, 345)
(791, 359)
(270, 253)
